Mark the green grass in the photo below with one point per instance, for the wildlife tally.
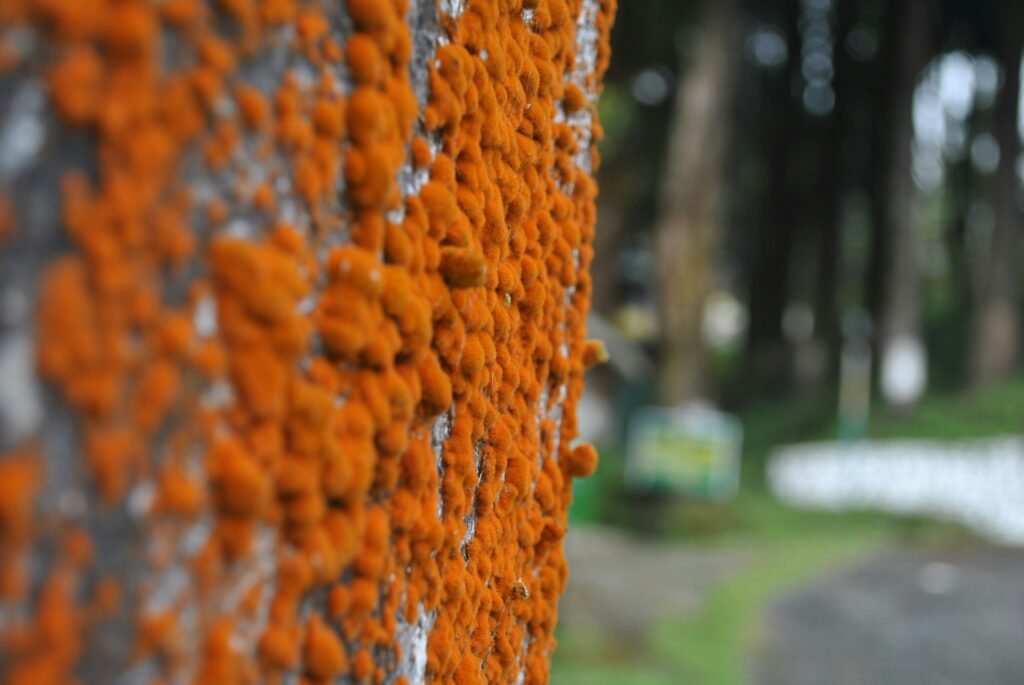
(993, 411)
(710, 648)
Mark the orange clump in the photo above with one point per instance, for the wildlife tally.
(581, 461)
(8, 221)
(574, 99)
(364, 59)
(240, 485)
(279, 648)
(323, 653)
(463, 267)
(75, 85)
(20, 480)
(594, 352)
(253, 106)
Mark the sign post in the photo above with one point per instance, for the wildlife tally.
(692, 451)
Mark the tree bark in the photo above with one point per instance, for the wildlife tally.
(292, 333)
(829, 278)
(995, 338)
(901, 308)
(962, 189)
(691, 210)
(767, 358)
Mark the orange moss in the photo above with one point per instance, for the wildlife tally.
(463, 267)
(594, 352)
(333, 370)
(279, 648)
(323, 654)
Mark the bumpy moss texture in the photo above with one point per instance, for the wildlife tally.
(293, 299)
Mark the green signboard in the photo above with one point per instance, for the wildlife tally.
(692, 451)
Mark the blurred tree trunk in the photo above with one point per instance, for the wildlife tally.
(767, 357)
(691, 198)
(881, 77)
(995, 332)
(911, 42)
(961, 188)
(833, 184)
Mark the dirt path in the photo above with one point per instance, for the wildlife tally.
(622, 585)
(901, 618)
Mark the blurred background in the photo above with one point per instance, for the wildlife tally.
(808, 279)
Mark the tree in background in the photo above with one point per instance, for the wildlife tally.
(995, 333)
(899, 326)
(835, 178)
(826, 211)
(771, 232)
(692, 194)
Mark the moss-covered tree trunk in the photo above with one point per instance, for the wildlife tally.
(292, 304)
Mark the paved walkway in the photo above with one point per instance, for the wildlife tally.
(901, 618)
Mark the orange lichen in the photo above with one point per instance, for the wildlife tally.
(8, 221)
(581, 461)
(401, 358)
(463, 267)
(594, 352)
(323, 655)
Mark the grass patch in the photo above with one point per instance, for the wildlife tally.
(709, 648)
(997, 410)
